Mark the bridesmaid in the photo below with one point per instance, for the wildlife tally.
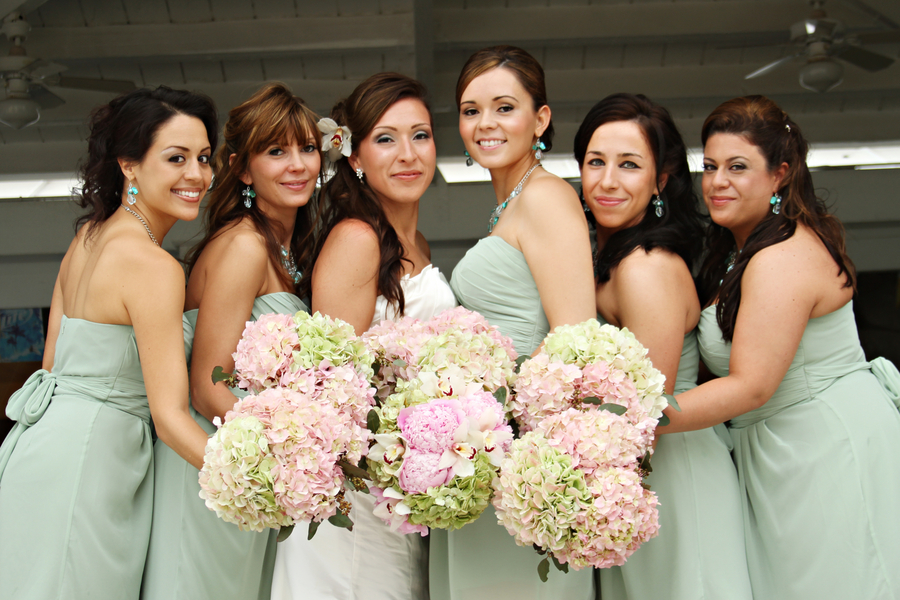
(245, 266)
(371, 264)
(816, 428)
(532, 273)
(76, 472)
(639, 189)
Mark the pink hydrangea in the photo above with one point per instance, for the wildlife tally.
(595, 439)
(264, 352)
(420, 471)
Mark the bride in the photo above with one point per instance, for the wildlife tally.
(371, 264)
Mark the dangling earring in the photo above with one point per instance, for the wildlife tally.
(359, 173)
(469, 161)
(132, 192)
(775, 201)
(539, 148)
(248, 195)
(659, 204)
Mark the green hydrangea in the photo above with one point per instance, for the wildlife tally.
(334, 340)
(459, 502)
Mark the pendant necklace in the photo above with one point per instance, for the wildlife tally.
(287, 261)
(144, 223)
(498, 210)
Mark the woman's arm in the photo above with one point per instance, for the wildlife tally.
(779, 291)
(345, 276)
(553, 235)
(153, 287)
(654, 297)
(235, 273)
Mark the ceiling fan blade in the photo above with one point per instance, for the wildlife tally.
(864, 59)
(879, 37)
(115, 86)
(44, 97)
(772, 66)
(41, 69)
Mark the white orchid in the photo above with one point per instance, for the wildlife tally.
(335, 139)
(388, 450)
(393, 510)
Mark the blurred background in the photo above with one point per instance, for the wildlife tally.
(833, 66)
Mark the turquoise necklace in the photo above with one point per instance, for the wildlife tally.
(287, 261)
(498, 210)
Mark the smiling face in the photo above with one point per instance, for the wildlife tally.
(497, 120)
(284, 175)
(738, 183)
(175, 173)
(398, 156)
(618, 176)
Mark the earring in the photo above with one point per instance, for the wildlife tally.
(659, 204)
(132, 192)
(539, 148)
(469, 160)
(775, 201)
(248, 195)
(359, 173)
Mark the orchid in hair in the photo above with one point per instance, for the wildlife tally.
(335, 139)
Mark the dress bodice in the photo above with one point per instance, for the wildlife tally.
(425, 295)
(828, 350)
(494, 279)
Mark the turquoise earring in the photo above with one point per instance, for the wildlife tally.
(775, 201)
(132, 192)
(539, 148)
(469, 161)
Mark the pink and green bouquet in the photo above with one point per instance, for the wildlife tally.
(442, 429)
(285, 452)
(588, 405)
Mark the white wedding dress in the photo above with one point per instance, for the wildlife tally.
(371, 562)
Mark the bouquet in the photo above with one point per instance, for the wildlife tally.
(285, 451)
(588, 405)
(441, 430)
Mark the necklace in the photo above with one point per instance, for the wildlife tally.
(287, 261)
(144, 223)
(729, 263)
(498, 210)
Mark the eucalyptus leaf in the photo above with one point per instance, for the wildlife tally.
(376, 366)
(372, 420)
(544, 570)
(664, 420)
(644, 463)
(538, 549)
(285, 532)
(219, 374)
(592, 400)
(340, 520)
(400, 363)
(672, 401)
(564, 567)
(521, 360)
(313, 527)
(500, 395)
(616, 409)
(351, 470)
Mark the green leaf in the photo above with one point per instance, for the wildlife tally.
(544, 570)
(500, 395)
(340, 520)
(664, 420)
(564, 567)
(519, 362)
(285, 532)
(616, 409)
(672, 401)
(400, 363)
(351, 470)
(219, 374)
(313, 527)
(376, 365)
(372, 421)
(539, 549)
(644, 463)
(592, 400)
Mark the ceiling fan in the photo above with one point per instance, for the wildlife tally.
(26, 79)
(822, 40)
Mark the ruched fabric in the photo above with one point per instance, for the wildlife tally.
(76, 482)
(819, 468)
(193, 553)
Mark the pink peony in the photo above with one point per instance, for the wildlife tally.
(420, 471)
(432, 427)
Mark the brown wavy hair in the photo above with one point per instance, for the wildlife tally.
(346, 197)
(525, 67)
(779, 139)
(271, 115)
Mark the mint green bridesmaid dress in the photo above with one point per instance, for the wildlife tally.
(76, 472)
(699, 552)
(819, 468)
(193, 553)
(482, 561)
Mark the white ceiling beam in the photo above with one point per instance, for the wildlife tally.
(223, 38)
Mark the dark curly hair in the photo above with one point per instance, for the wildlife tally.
(346, 197)
(680, 229)
(126, 128)
(779, 139)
